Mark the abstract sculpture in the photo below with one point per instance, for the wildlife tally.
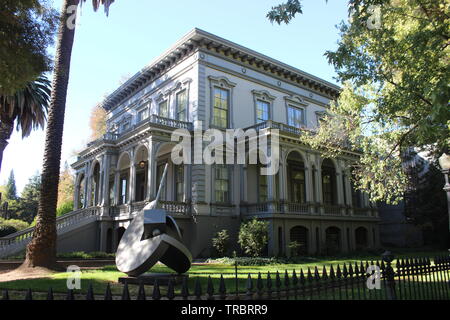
(152, 236)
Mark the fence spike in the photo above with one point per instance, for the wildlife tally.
(90, 292)
(170, 290)
(50, 294)
(184, 289)
(332, 274)
(249, 286)
(198, 289)
(210, 289)
(286, 279)
(269, 280)
(338, 272)
(316, 273)
(259, 282)
(350, 270)
(324, 273)
(141, 292)
(156, 294)
(309, 275)
(5, 295)
(345, 271)
(269, 286)
(29, 295)
(70, 295)
(356, 270)
(108, 294)
(222, 288)
(125, 292)
(294, 278)
(277, 280)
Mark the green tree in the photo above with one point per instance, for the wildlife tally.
(395, 92)
(29, 199)
(41, 251)
(11, 190)
(27, 29)
(220, 242)
(253, 237)
(27, 107)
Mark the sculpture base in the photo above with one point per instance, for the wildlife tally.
(149, 279)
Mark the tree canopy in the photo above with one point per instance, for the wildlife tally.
(97, 122)
(27, 28)
(393, 59)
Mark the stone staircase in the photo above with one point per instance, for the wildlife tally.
(17, 242)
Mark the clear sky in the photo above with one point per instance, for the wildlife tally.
(108, 50)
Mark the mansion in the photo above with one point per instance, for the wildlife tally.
(207, 81)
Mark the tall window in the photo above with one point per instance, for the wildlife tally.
(263, 190)
(328, 182)
(142, 114)
(295, 117)
(221, 106)
(125, 125)
(159, 173)
(181, 106)
(262, 111)
(179, 183)
(123, 188)
(164, 109)
(298, 192)
(221, 183)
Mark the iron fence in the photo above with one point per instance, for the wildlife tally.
(406, 279)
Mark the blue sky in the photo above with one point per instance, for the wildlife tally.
(108, 50)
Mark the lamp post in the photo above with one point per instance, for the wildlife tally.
(444, 162)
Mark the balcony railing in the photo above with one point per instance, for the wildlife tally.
(172, 207)
(154, 119)
(332, 210)
(280, 126)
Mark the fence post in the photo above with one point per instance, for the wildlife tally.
(389, 275)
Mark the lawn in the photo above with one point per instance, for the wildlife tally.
(99, 278)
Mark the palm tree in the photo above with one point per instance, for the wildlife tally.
(27, 106)
(41, 251)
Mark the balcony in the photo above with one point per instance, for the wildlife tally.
(152, 120)
(172, 207)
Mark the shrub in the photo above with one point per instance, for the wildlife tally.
(64, 208)
(11, 225)
(294, 248)
(220, 242)
(253, 237)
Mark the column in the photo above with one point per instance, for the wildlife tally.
(88, 187)
(151, 174)
(244, 197)
(106, 169)
(76, 192)
(340, 194)
(116, 187)
(132, 183)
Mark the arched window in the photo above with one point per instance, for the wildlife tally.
(329, 182)
(299, 234)
(95, 185)
(333, 240)
(361, 238)
(296, 178)
(81, 192)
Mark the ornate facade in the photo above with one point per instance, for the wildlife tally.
(204, 79)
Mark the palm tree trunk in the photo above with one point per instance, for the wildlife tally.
(6, 129)
(41, 251)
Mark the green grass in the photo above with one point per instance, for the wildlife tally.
(99, 278)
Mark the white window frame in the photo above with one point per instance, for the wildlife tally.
(296, 102)
(263, 96)
(221, 83)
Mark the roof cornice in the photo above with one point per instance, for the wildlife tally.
(198, 38)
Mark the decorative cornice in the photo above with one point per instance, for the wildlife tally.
(196, 39)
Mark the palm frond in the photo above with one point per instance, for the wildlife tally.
(27, 106)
